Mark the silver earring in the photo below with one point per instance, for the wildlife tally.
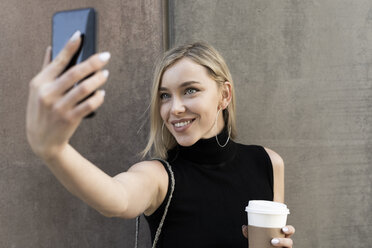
(162, 131)
(228, 138)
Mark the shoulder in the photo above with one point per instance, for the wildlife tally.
(276, 159)
(150, 168)
(148, 165)
(150, 172)
(153, 175)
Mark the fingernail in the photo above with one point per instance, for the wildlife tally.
(275, 241)
(285, 229)
(105, 73)
(75, 36)
(103, 92)
(104, 56)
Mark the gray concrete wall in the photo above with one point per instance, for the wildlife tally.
(35, 210)
(304, 79)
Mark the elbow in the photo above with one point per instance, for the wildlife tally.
(111, 214)
(107, 214)
(121, 212)
(119, 206)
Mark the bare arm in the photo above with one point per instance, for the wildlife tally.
(146, 186)
(55, 110)
(126, 195)
(278, 172)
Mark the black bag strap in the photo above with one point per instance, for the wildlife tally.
(158, 231)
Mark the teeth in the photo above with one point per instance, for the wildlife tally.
(181, 124)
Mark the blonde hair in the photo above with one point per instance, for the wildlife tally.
(160, 139)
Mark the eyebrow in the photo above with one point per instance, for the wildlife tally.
(184, 84)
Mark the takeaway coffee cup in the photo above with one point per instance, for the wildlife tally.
(265, 221)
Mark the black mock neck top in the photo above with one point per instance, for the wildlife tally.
(212, 188)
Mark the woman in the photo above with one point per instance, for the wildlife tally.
(192, 121)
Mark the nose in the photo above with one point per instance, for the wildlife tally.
(178, 106)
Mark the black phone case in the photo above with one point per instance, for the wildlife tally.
(65, 24)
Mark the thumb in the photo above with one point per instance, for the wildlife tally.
(245, 231)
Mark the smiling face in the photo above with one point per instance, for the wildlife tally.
(189, 101)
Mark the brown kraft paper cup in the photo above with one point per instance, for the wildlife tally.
(260, 237)
(265, 221)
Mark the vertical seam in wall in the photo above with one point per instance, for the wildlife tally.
(171, 36)
(165, 20)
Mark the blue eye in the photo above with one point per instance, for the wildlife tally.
(164, 96)
(190, 91)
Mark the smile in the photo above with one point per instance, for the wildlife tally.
(181, 124)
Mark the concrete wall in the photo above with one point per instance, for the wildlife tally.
(304, 79)
(35, 210)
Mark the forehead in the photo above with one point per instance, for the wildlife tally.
(184, 70)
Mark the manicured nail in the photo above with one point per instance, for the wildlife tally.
(105, 73)
(75, 36)
(104, 56)
(285, 229)
(275, 241)
(103, 92)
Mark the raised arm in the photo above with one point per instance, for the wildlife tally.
(141, 189)
(55, 110)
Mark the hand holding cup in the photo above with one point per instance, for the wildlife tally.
(267, 225)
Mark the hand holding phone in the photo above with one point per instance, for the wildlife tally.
(66, 23)
(53, 110)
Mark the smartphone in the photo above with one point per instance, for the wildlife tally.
(64, 25)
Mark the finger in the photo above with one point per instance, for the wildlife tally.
(288, 231)
(245, 231)
(47, 56)
(84, 89)
(57, 66)
(282, 242)
(88, 106)
(81, 71)
(38, 79)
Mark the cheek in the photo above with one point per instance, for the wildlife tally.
(205, 108)
(209, 116)
(163, 111)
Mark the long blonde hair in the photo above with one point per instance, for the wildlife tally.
(160, 139)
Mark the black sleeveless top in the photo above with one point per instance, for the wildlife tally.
(212, 188)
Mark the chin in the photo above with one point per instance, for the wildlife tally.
(186, 141)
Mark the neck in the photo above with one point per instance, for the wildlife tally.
(206, 151)
(217, 126)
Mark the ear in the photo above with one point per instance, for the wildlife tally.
(226, 94)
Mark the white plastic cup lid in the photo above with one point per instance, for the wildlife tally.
(266, 207)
